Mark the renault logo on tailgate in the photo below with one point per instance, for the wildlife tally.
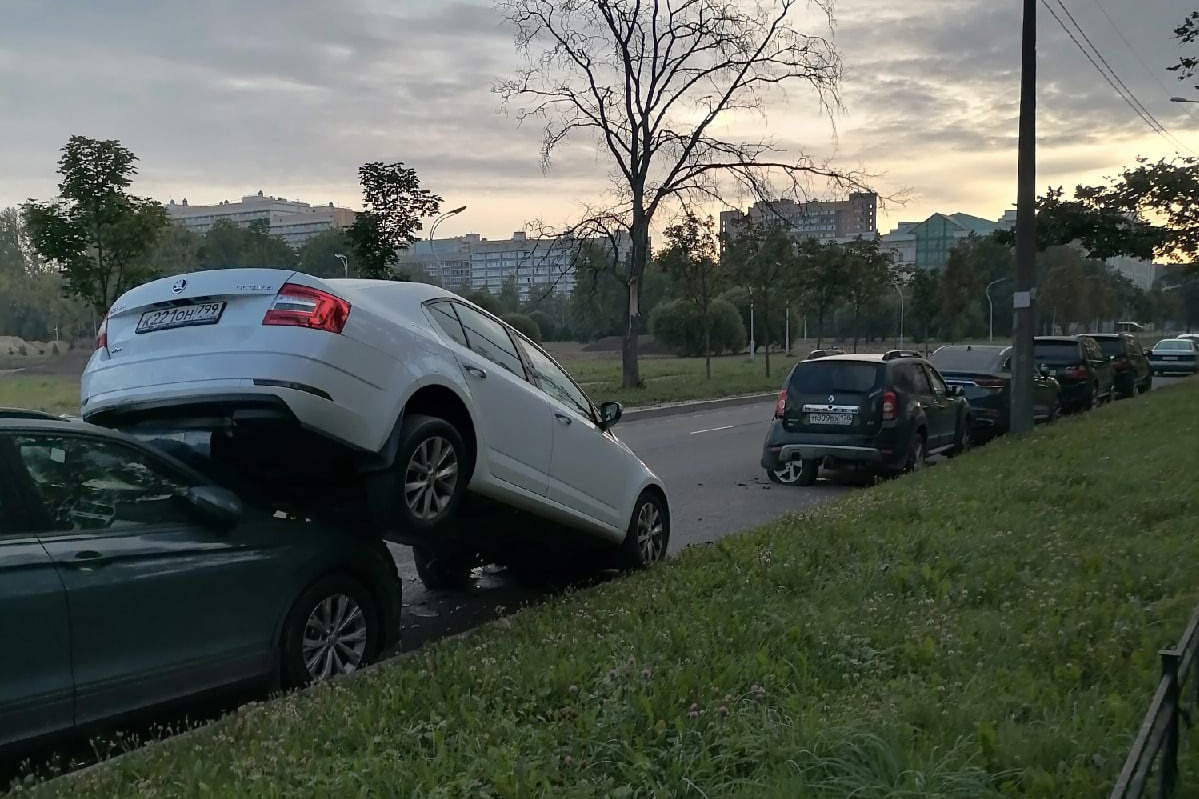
(831, 398)
(179, 285)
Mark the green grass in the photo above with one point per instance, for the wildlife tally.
(679, 379)
(52, 393)
(988, 627)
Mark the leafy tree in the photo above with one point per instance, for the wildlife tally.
(679, 324)
(1180, 289)
(509, 298)
(228, 246)
(318, 255)
(691, 261)
(1103, 227)
(1186, 34)
(866, 276)
(95, 231)
(598, 300)
(12, 255)
(545, 323)
(760, 257)
(1063, 293)
(961, 285)
(525, 324)
(485, 300)
(393, 206)
(818, 281)
(648, 82)
(925, 305)
(177, 251)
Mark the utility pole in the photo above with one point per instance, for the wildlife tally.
(1026, 230)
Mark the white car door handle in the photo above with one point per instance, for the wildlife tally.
(474, 370)
(563, 418)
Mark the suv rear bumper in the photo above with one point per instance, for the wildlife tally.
(793, 452)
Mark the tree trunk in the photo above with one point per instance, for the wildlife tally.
(857, 325)
(630, 369)
(707, 346)
(766, 327)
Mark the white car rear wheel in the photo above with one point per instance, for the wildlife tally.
(427, 480)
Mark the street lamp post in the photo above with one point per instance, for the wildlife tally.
(345, 262)
(991, 310)
(433, 247)
(899, 291)
(1182, 100)
(752, 345)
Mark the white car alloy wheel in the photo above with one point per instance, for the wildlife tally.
(335, 638)
(651, 533)
(431, 477)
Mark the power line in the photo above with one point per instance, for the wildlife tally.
(1121, 89)
(1136, 54)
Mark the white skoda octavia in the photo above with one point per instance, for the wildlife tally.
(399, 405)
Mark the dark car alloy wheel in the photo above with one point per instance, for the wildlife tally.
(332, 629)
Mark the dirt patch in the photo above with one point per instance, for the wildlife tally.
(612, 344)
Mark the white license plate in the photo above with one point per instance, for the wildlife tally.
(207, 313)
(830, 418)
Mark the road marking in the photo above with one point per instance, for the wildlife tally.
(711, 430)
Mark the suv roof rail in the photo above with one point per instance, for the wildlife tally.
(893, 354)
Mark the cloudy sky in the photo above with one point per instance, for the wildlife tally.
(222, 98)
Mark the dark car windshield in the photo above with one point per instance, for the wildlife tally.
(1173, 344)
(960, 359)
(1111, 346)
(1057, 352)
(835, 377)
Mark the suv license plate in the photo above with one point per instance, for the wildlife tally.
(1169, 358)
(830, 418)
(207, 313)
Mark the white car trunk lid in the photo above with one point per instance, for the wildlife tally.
(198, 312)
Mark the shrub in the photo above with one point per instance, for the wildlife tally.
(545, 324)
(679, 324)
(525, 324)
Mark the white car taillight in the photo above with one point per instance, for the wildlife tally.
(304, 306)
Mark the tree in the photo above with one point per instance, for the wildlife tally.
(485, 300)
(509, 298)
(962, 284)
(1092, 220)
(1063, 293)
(648, 82)
(1187, 33)
(525, 324)
(176, 251)
(760, 255)
(12, 254)
(393, 206)
(680, 325)
(818, 282)
(318, 255)
(228, 246)
(1166, 191)
(95, 231)
(690, 260)
(866, 275)
(925, 305)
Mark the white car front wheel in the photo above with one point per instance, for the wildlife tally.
(648, 535)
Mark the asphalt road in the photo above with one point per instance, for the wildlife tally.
(709, 463)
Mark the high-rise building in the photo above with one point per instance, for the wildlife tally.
(538, 264)
(291, 220)
(839, 219)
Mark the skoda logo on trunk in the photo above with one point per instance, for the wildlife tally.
(179, 286)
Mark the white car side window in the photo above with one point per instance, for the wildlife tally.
(556, 382)
(489, 338)
(445, 319)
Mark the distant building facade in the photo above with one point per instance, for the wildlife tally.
(927, 244)
(836, 220)
(538, 264)
(291, 220)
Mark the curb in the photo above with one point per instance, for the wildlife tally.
(699, 406)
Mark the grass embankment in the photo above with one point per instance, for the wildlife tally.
(54, 393)
(987, 627)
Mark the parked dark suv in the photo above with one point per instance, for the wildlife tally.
(883, 413)
(1084, 372)
(1131, 372)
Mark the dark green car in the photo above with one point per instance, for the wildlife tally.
(1131, 372)
(129, 580)
(985, 375)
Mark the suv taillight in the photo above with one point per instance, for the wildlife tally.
(102, 334)
(780, 404)
(889, 406)
(304, 306)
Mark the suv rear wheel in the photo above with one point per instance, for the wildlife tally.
(788, 475)
(809, 470)
(917, 454)
(964, 440)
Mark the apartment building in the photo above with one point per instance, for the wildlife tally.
(293, 221)
(839, 219)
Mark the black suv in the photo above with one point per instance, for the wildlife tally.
(1081, 368)
(1131, 372)
(863, 412)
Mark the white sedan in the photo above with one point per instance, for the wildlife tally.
(399, 405)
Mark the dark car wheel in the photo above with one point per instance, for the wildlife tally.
(809, 470)
(964, 442)
(788, 475)
(917, 454)
(648, 535)
(332, 629)
(441, 570)
(1093, 403)
(427, 480)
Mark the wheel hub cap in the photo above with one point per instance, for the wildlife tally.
(335, 638)
(430, 478)
(651, 533)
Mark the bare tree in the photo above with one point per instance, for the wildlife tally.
(647, 80)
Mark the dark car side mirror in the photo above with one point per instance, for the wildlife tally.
(220, 506)
(610, 413)
(1043, 369)
(957, 391)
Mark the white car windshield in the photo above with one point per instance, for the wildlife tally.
(1174, 345)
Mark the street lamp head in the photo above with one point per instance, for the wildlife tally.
(1180, 100)
(338, 255)
(457, 210)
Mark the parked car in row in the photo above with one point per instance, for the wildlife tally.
(881, 413)
(1131, 372)
(984, 373)
(130, 580)
(1175, 356)
(396, 405)
(1080, 368)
